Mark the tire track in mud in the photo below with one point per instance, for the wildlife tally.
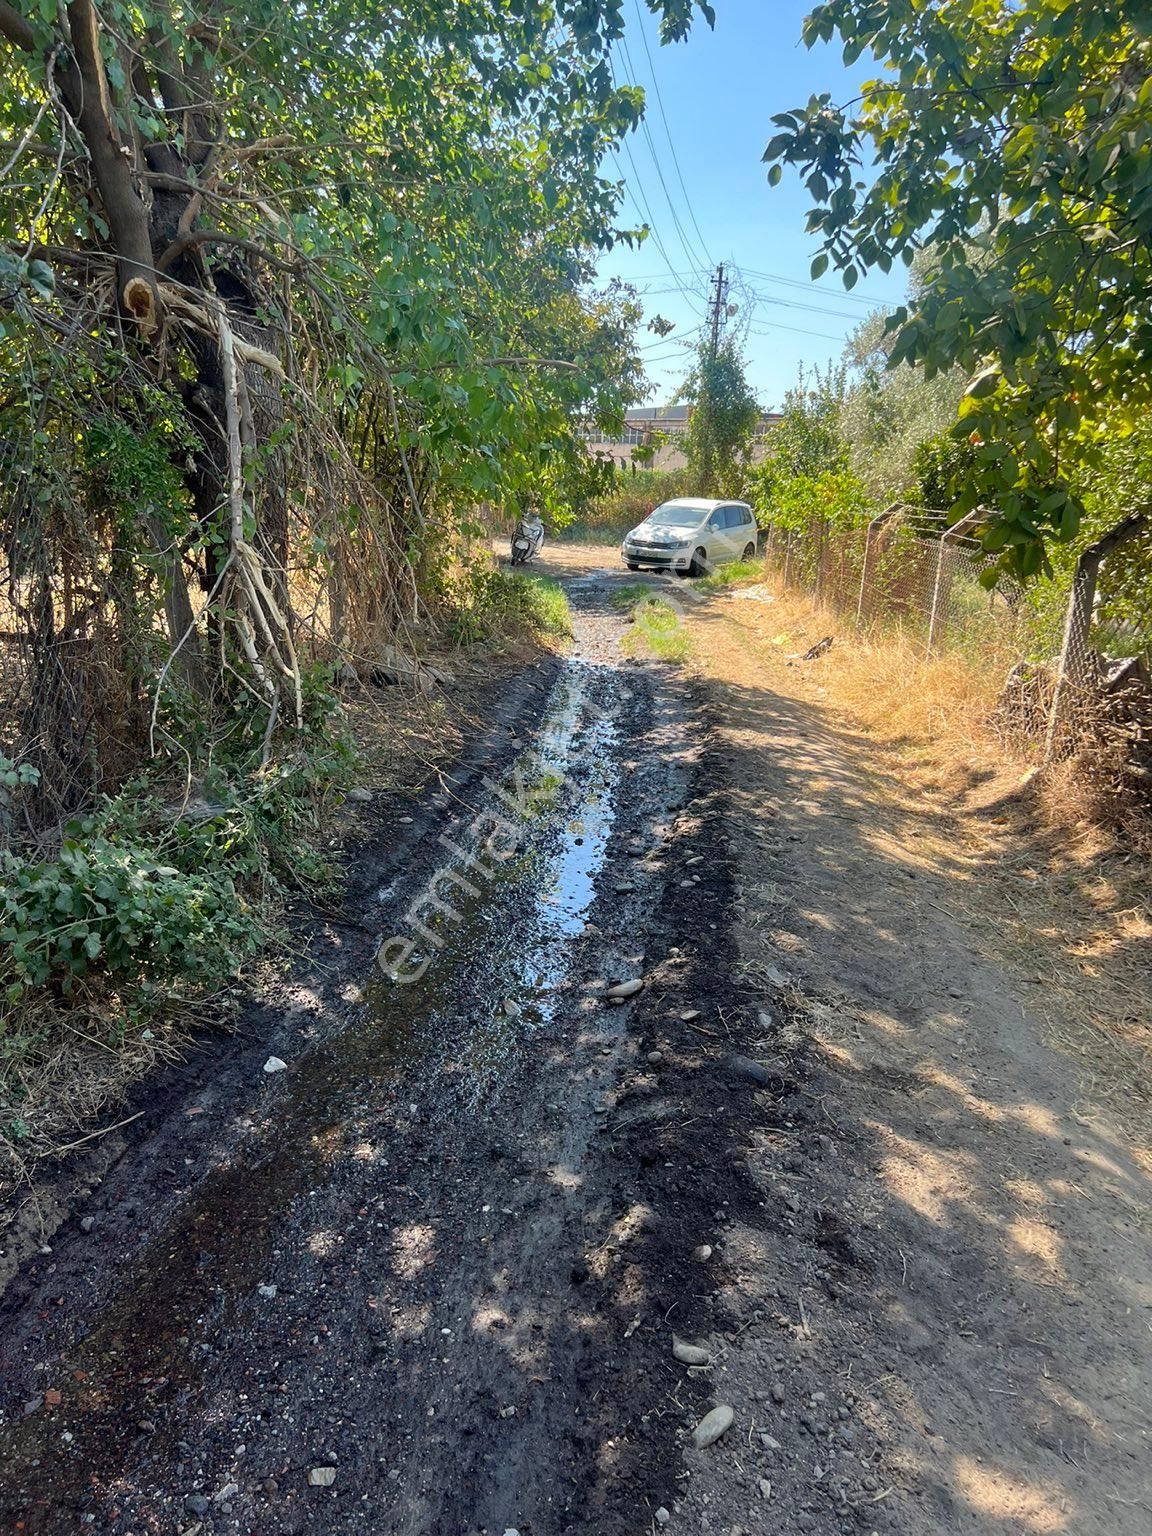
(415, 1259)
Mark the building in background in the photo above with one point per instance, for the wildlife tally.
(665, 425)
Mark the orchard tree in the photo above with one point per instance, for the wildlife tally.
(1013, 143)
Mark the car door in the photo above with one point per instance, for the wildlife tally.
(743, 531)
(716, 536)
(730, 550)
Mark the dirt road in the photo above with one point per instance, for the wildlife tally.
(426, 1278)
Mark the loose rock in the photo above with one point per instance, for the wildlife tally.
(321, 1477)
(196, 1504)
(745, 1067)
(712, 1426)
(623, 989)
(689, 1354)
(663, 1517)
(274, 1064)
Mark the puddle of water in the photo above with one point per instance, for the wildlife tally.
(512, 938)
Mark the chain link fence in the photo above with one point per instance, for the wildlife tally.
(908, 571)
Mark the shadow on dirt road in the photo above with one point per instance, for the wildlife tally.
(425, 1280)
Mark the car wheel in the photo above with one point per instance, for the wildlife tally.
(631, 564)
(699, 562)
(749, 552)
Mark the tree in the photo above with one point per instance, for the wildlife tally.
(321, 273)
(887, 413)
(723, 417)
(1014, 144)
(808, 439)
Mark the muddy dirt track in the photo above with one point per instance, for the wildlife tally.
(426, 1278)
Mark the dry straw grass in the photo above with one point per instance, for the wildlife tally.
(883, 679)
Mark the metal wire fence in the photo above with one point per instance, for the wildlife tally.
(908, 571)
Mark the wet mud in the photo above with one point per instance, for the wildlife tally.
(415, 1282)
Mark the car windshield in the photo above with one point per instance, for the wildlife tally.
(670, 515)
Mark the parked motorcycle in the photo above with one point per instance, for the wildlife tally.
(528, 539)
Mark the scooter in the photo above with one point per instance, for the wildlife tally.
(527, 540)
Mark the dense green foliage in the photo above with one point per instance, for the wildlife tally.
(295, 303)
(632, 496)
(723, 419)
(1014, 144)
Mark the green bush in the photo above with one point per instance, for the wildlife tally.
(799, 502)
(109, 913)
(146, 896)
(634, 495)
(499, 600)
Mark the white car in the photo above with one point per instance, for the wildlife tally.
(690, 535)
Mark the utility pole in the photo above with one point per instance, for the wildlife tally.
(716, 309)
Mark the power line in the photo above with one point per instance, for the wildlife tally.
(693, 258)
(641, 198)
(778, 325)
(795, 282)
(668, 131)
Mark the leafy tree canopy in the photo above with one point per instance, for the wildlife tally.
(1013, 143)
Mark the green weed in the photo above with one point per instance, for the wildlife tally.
(728, 575)
(657, 630)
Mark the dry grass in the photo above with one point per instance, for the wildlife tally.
(1050, 892)
(883, 680)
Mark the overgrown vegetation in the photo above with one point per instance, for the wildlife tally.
(293, 302)
(724, 416)
(632, 496)
(1014, 158)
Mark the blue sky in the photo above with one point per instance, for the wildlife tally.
(719, 91)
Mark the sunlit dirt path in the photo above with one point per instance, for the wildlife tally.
(427, 1281)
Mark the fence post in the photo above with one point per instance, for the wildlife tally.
(1070, 669)
(940, 587)
(877, 522)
